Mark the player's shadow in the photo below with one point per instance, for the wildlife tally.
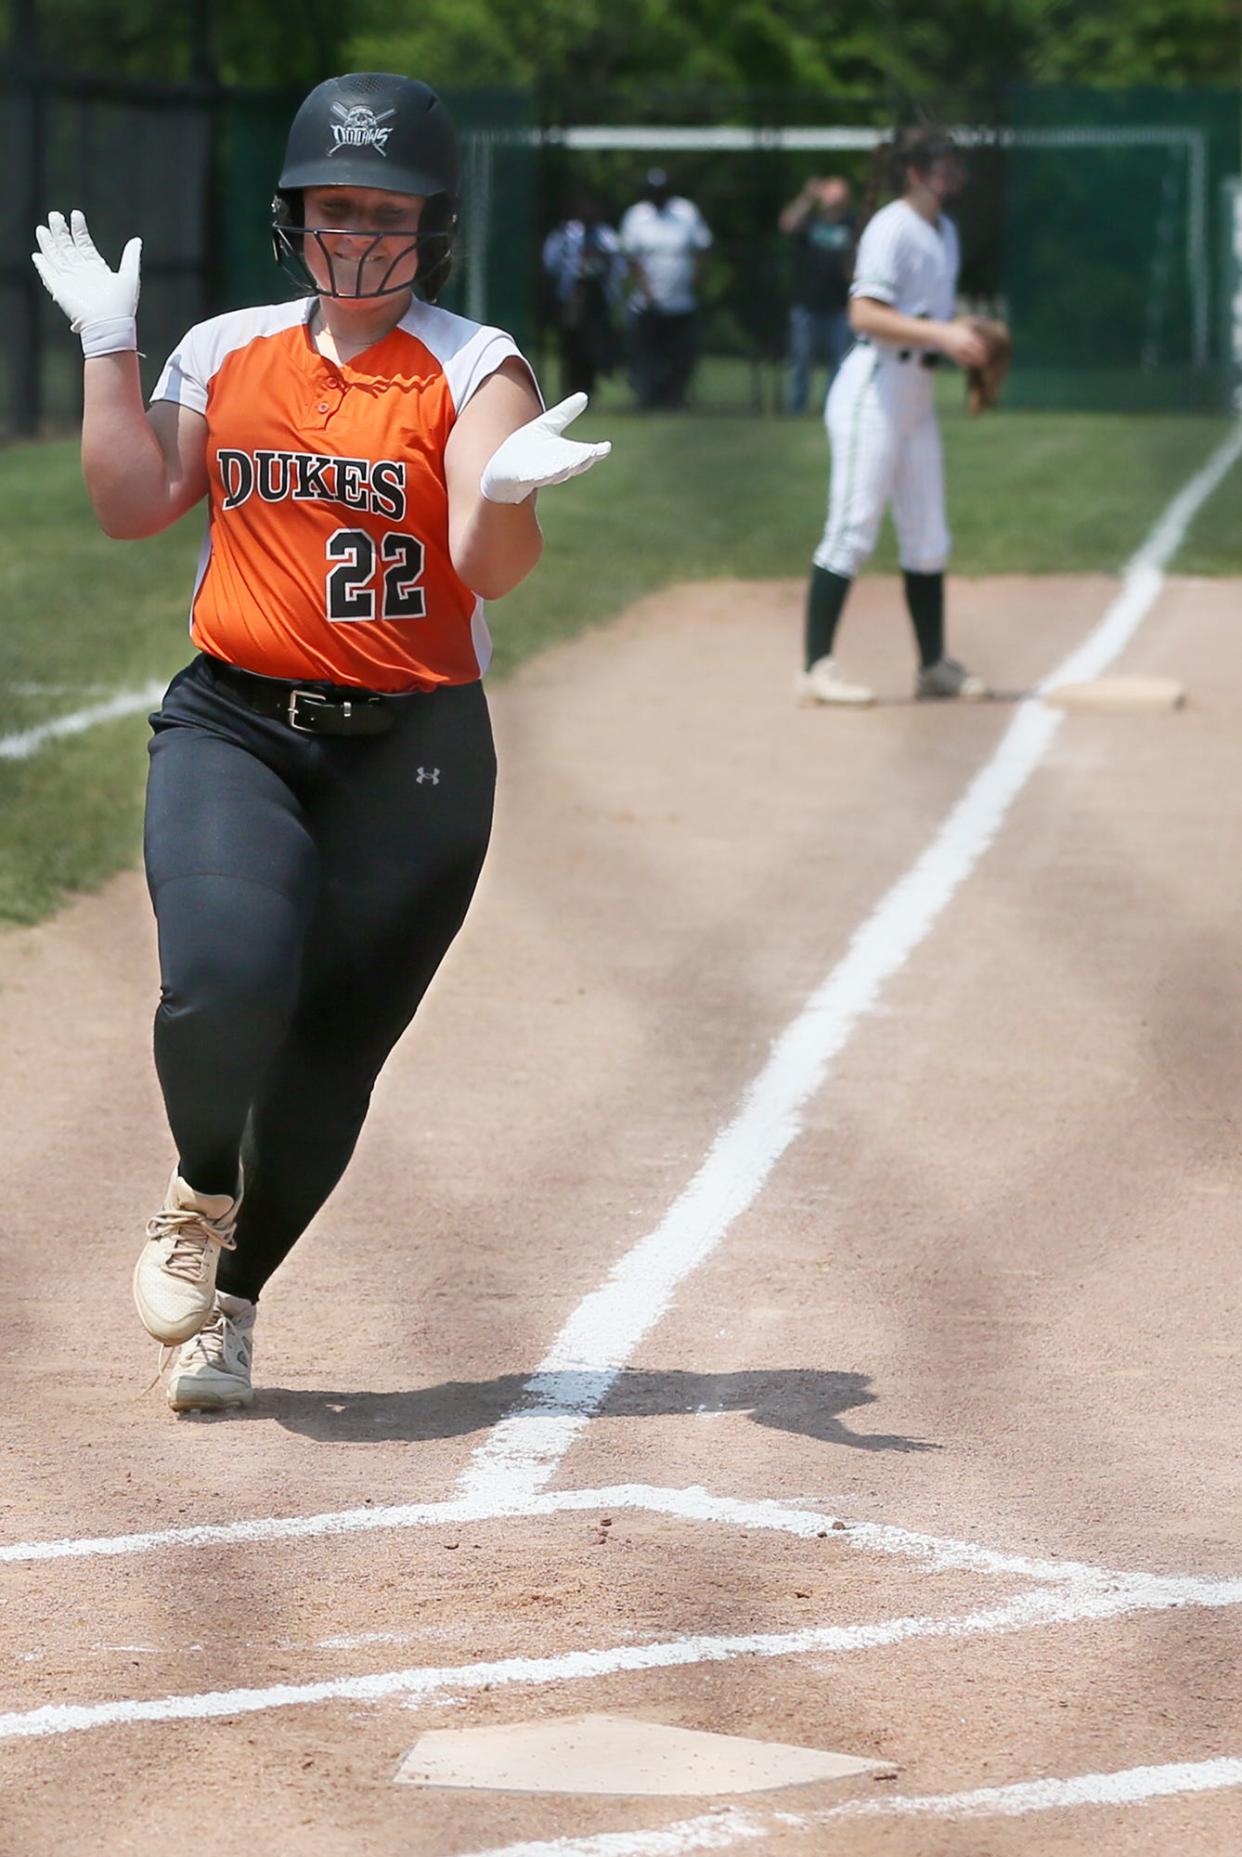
(804, 1401)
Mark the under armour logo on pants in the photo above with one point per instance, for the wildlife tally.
(428, 773)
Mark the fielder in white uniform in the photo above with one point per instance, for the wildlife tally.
(881, 421)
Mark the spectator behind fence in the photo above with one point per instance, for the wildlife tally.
(663, 236)
(822, 228)
(585, 270)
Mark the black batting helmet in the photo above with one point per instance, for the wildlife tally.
(370, 129)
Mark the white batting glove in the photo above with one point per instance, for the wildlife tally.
(537, 455)
(102, 305)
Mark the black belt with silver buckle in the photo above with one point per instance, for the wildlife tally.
(325, 709)
(928, 357)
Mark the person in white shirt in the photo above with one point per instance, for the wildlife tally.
(663, 236)
(881, 420)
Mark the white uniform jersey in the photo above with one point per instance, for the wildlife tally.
(908, 263)
(667, 242)
(881, 411)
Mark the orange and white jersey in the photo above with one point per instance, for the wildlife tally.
(327, 555)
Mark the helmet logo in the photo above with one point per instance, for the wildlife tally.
(359, 127)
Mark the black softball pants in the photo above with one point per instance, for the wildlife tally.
(306, 889)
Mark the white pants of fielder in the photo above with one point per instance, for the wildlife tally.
(885, 447)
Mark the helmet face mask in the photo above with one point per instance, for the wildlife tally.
(372, 130)
(412, 256)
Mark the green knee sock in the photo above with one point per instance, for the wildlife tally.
(824, 599)
(925, 599)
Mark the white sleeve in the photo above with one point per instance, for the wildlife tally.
(702, 232)
(482, 355)
(878, 265)
(631, 237)
(185, 376)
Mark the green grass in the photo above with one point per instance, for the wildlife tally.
(710, 494)
(1214, 545)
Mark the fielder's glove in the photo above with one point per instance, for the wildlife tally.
(983, 384)
(537, 455)
(102, 305)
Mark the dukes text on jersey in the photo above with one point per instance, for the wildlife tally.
(373, 484)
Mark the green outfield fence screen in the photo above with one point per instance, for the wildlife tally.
(1230, 323)
(1115, 268)
(136, 159)
(192, 169)
(1095, 220)
(1092, 220)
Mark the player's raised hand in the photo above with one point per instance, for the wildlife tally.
(101, 304)
(538, 454)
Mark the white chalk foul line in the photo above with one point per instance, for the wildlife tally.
(1035, 1608)
(931, 1552)
(1130, 1786)
(21, 746)
(716, 1831)
(523, 1451)
(710, 1831)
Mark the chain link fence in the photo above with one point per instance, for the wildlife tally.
(135, 159)
(1116, 261)
(192, 170)
(1093, 220)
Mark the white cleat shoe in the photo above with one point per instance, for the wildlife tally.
(212, 1372)
(823, 683)
(175, 1276)
(950, 679)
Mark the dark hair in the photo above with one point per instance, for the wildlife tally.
(917, 146)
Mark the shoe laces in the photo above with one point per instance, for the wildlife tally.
(209, 1343)
(220, 1335)
(190, 1232)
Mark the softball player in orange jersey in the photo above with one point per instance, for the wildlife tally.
(321, 778)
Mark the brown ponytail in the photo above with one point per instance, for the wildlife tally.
(877, 181)
(916, 145)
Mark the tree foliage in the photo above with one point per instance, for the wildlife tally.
(909, 52)
(228, 40)
(595, 56)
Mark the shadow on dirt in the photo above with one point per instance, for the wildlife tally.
(803, 1401)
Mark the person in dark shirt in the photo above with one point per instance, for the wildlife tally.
(822, 228)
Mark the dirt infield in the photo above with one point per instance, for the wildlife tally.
(984, 1309)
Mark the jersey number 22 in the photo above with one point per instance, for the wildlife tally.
(351, 584)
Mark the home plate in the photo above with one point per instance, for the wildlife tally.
(1131, 695)
(614, 1754)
